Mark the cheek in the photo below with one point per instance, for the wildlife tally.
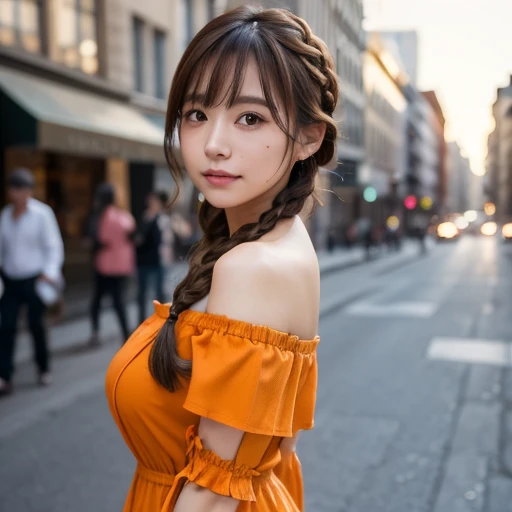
(189, 147)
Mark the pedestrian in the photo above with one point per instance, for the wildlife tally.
(211, 391)
(166, 247)
(419, 226)
(183, 236)
(112, 230)
(151, 235)
(31, 255)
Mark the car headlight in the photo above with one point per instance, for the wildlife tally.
(447, 230)
(489, 228)
(506, 230)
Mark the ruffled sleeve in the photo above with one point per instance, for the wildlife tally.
(249, 377)
(225, 477)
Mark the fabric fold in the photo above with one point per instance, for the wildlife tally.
(206, 469)
(272, 375)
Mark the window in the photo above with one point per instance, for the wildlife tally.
(76, 35)
(189, 21)
(138, 52)
(211, 9)
(159, 48)
(339, 60)
(20, 24)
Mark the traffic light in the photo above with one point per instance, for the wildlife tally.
(370, 194)
(426, 203)
(410, 202)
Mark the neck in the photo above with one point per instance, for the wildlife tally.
(152, 213)
(250, 212)
(20, 208)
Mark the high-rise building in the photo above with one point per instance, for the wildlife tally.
(459, 173)
(406, 42)
(437, 122)
(385, 128)
(499, 157)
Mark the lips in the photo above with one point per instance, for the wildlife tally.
(219, 178)
(219, 173)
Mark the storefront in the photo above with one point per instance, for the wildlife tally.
(72, 141)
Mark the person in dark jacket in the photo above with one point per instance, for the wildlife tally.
(149, 241)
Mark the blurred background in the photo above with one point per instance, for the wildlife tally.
(415, 392)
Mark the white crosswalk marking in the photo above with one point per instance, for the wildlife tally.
(396, 309)
(465, 350)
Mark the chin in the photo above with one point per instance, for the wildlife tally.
(223, 201)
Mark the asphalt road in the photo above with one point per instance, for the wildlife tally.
(414, 410)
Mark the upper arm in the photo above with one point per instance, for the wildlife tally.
(52, 234)
(220, 438)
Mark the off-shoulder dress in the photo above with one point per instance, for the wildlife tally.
(250, 377)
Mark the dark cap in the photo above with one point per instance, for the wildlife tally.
(21, 178)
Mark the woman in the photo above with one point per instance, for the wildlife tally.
(114, 257)
(211, 392)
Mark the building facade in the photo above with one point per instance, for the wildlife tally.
(406, 44)
(339, 25)
(499, 157)
(385, 125)
(83, 86)
(458, 198)
(437, 122)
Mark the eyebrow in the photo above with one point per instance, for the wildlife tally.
(257, 100)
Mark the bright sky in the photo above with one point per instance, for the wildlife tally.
(465, 54)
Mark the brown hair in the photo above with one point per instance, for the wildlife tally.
(297, 73)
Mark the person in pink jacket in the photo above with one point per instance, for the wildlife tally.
(112, 231)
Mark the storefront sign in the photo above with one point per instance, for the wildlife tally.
(69, 140)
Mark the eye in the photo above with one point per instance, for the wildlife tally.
(251, 119)
(195, 116)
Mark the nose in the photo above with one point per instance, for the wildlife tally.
(217, 145)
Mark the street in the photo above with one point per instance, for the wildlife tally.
(414, 409)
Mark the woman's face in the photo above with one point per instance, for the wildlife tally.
(235, 156)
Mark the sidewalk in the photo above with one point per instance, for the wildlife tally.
(74, 334)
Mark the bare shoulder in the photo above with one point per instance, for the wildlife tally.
(267, 284)
(242, 281)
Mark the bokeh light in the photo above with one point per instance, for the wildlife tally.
(489, 228)
(393, 222)
(410, 202)
(370, 195)
(489, 209)
(426, 203)
(447, 230)
(461, 223)
(471, 215)
(506, 230)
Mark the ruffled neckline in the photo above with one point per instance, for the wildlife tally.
(239, 328)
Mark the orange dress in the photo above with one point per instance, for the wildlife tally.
(253, 378)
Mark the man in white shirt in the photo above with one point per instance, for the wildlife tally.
(31, 251)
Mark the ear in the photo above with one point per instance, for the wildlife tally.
(310, 140)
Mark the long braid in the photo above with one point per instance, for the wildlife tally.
(164, 362)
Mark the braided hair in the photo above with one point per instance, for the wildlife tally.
(298, 74)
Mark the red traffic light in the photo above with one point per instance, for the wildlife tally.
(410, 202)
